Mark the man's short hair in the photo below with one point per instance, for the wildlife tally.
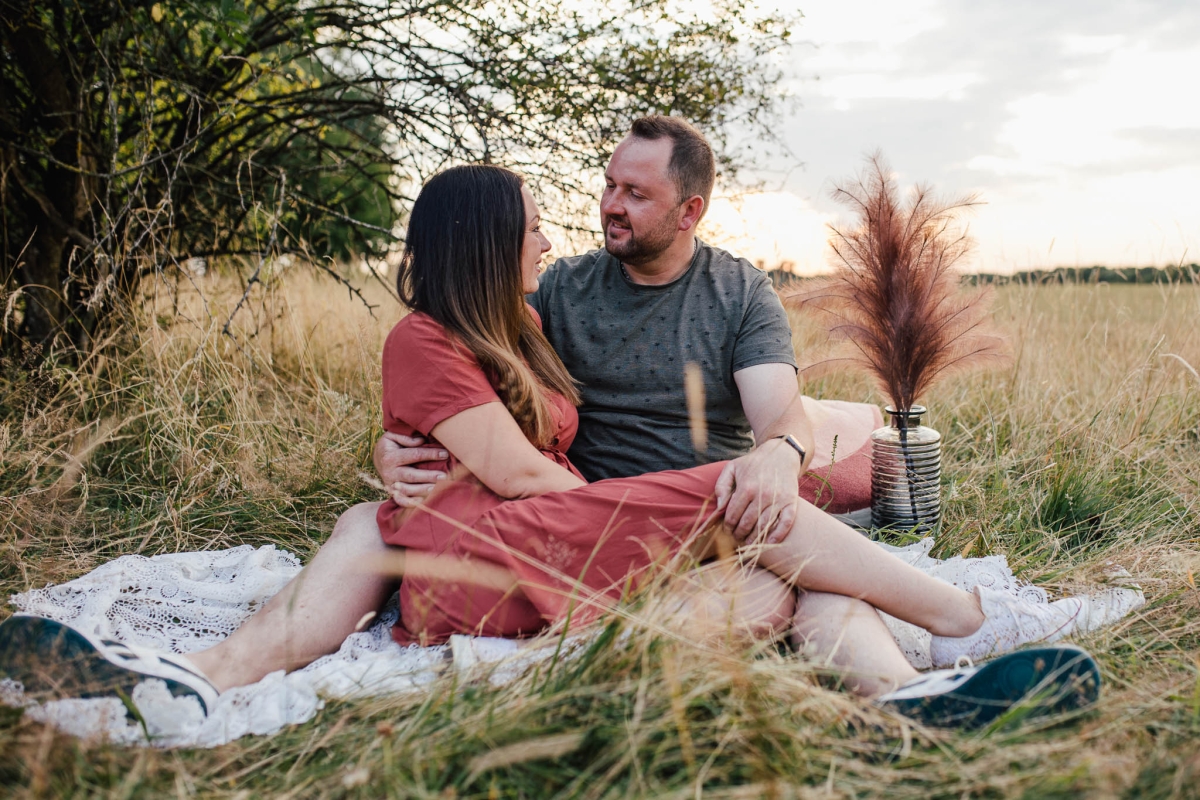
(692, 165)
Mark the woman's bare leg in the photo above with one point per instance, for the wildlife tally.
(848, 635)
(821, 554)
(313, 614)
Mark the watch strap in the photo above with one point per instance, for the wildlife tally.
(795, 444)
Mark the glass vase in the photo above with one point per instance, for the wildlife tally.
(906, 474)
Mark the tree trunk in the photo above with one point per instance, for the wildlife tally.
(60, 208)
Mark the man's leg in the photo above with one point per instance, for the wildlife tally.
(313, 614)
(848, 635)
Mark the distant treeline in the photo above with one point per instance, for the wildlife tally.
(1176, 273)
(1185, 273)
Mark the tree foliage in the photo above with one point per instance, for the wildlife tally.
(135, 134)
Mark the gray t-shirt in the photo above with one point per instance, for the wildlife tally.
(628, 344)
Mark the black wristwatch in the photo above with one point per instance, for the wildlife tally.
(795, 444)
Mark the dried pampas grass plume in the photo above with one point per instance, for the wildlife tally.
(894, 298)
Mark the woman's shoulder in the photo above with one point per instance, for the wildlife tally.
(418, 331)
(429, 374)
(417, 324)
(420, 346)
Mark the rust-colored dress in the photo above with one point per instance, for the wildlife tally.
(590, 544)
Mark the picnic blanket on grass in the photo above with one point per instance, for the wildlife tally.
(184, 602)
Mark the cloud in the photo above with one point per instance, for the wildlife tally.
(1122, 219)
(879, 23)
(1078, 45)
(870, 86)
(1074, 120)
(1101, 120)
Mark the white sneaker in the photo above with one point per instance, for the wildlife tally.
(1008, 624)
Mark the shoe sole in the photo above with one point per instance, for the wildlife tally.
(1039, 681)
(53, 661)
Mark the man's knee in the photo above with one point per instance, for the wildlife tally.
(759, 604)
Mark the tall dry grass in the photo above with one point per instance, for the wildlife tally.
(1085, 450)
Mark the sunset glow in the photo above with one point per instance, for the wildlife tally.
(1076, 124)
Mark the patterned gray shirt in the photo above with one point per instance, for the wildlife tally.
(628, 344)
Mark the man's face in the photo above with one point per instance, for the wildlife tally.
(640, 208)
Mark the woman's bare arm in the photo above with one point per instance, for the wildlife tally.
(488, 442)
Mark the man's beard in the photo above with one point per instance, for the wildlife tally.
(642, 248)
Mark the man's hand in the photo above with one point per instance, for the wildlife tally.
(394, 456)
(758, 492)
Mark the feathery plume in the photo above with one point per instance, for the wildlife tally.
(894, 299)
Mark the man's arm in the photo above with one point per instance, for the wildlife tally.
(487, 441)
(757, 491)
(773, 404)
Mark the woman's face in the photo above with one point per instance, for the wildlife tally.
(534, 245)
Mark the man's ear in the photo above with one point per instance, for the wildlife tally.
(693, 209)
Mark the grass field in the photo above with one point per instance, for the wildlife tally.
(1085, 450)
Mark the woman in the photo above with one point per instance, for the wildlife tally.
(517, 541)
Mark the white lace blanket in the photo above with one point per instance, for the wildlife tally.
(188, 601)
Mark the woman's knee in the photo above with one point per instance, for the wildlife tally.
(751, 602)
(358, 524)
(770, 603)
(826, 606)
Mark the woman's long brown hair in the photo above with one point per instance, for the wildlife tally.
(462, 267)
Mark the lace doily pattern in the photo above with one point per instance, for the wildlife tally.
(179, 602)
(184, 602)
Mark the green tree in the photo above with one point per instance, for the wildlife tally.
(137, 134)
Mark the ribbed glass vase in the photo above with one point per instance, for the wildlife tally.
(906, 474)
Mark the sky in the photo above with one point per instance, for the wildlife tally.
(1077, 123)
